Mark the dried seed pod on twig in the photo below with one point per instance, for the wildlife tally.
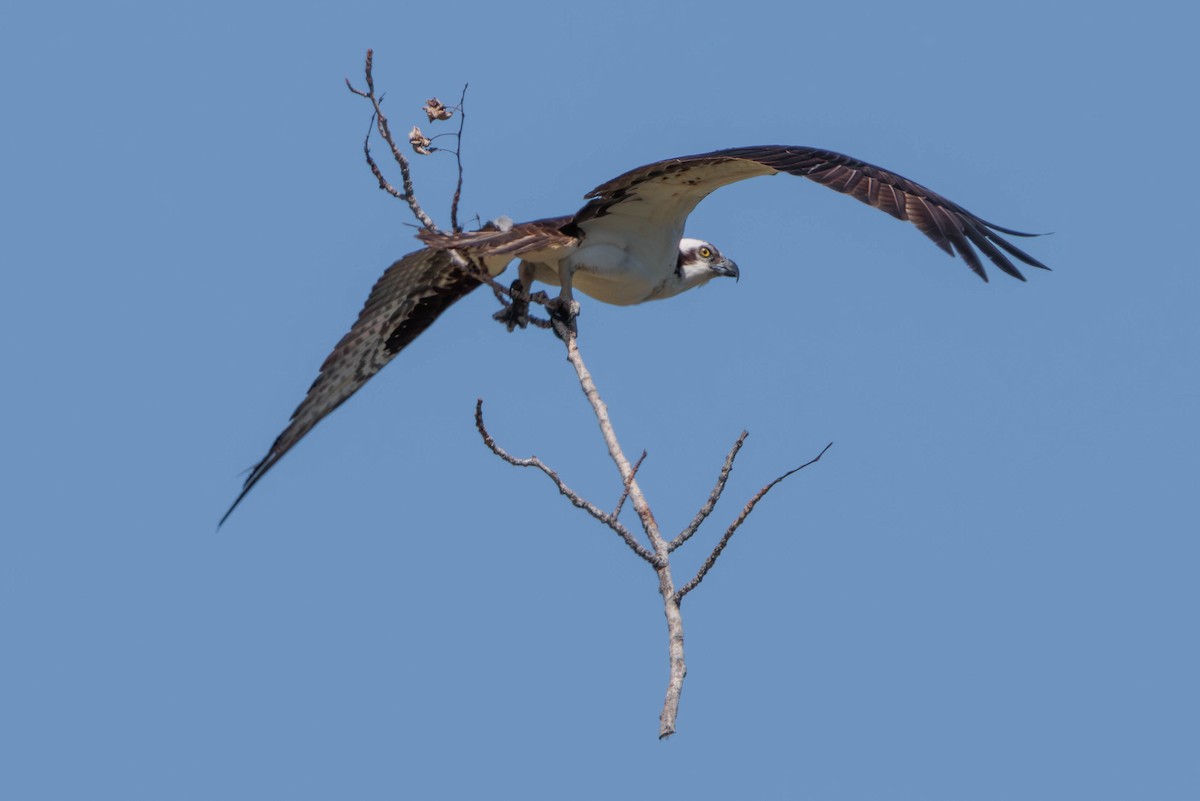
(436, 110)
(419, 141)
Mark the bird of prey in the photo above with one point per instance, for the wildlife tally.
(625, 246)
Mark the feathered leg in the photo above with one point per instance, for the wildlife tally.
(564, 308)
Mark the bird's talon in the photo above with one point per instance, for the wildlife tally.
(562, 316)
(563, 309)
(510, 318)
(516, 313)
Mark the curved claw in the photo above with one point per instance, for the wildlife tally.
(563, 312)
(515, 314)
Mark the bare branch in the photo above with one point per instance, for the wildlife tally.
(462, 120)
(741, 518)
(576, 500)
(666, 584)
(713, 496)
(384, 184)
(381, 122)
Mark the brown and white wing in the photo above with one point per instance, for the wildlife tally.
(496, 247)
(663, 194)
(410, 295)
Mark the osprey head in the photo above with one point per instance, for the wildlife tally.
(700, 262)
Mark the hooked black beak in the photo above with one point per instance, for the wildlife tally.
(728, 267)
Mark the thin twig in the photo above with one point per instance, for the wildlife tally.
(462, 119)
(385, 131)
(625, 491)
(741, 518)
(713, 496)
(575, 498)
(384, 184)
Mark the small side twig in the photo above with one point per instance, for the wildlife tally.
(741, 518)
(385, 131)
(384, 183)
(575, 498)
(713, 496)
(625, 492)
(462, 119)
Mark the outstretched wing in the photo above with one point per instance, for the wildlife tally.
(660, 196)
(410, 295)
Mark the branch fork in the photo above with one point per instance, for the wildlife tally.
(658, 556)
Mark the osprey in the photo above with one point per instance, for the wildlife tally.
(625, 246)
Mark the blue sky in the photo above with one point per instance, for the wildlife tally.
(986, 590)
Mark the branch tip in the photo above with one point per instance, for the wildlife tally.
(380, 121)
(713, 497)
(625, 492)
(741, 518)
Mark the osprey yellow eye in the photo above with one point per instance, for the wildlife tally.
(705, 253)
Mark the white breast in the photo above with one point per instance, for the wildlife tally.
(624, 265)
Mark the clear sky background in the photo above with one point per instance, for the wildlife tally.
(986, 590)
